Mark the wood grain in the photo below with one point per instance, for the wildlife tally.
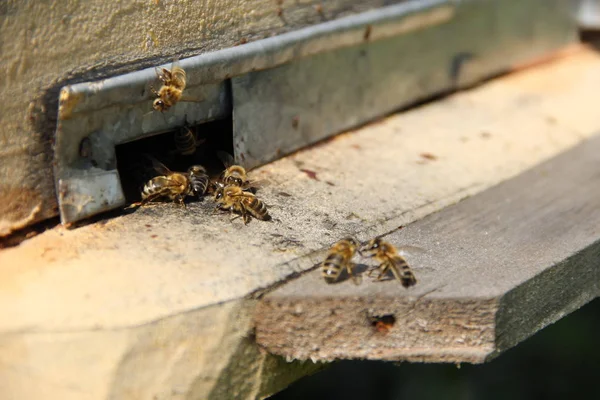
(495, 268)
(162, 290)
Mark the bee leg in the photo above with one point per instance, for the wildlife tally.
(154, 92)
(370, 272)
(134, 205)
(245, 216)
(382, 273)
(150, 198)
(179, 200)
(396, 273)
(234, 217)
(355, 278)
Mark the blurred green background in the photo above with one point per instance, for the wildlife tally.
(560, 362)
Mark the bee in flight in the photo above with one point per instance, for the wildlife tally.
(340, 257)
(389, 260)
(186, 141)
(175, 186)
(174, 81)
(236, 200)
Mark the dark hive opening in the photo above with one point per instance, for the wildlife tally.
(134, 159)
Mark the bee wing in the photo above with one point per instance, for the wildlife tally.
(410, 250)
(226, 158)
(158, 166)
(162, 73)
(243, 194)
(259, 183)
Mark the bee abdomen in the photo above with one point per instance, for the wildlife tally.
(185, 143)
(154, 188)
(199, 184)
(407, 277)
(332, 267)
(258, 209)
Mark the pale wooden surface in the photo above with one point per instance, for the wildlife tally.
(89, 290)
(492, 270)
(48, 44)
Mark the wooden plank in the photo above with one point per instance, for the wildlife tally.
(163, 285)
(495, 269)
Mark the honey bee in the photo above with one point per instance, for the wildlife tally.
(174, 81)
(390, 260)
(174, 186)
(339, 257)
(233, 175)
(234, 199)
(199, 179)
(186, 141)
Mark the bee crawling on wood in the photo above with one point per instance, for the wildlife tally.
(389, 260)
(174, 186)
(235, 175)
(235, 199)
(339, 258)
(199, 179)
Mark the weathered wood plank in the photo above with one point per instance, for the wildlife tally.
(159, 286)
(497, 267)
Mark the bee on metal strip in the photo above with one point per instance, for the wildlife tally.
(174, 81)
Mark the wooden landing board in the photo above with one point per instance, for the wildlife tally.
(492, 270)
(164, 288)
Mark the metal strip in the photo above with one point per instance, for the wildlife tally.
(283, 109)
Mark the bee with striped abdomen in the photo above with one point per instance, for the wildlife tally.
(174, 186)
(389, 260)
(339, 258)
(174, 81)
(234, 175)
(186, 141)
(199, 179)
(236, 200)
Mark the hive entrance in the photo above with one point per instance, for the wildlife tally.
(135, 167)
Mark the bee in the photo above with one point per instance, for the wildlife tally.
(234, 199)
(199, 179)
(389, 258)
(186, 141)
(174, 81)
(174, 186)
(234, 175)
(339, 257)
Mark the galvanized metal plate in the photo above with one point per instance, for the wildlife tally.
(280, 110)
(588, 14)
